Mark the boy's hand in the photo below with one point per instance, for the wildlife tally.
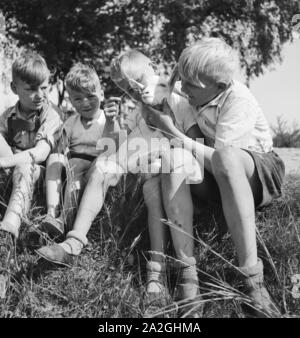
(111, 108)
(2, 163)
(163, 120)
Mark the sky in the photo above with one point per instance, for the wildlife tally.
(277, 91)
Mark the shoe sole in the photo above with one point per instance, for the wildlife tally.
(53, 260)
(51, 230)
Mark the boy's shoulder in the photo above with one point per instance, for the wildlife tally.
(8, 112)
(71, 120)
(239, 91)
(53, 110)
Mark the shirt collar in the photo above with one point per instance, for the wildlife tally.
(218, 100)
(39, 112)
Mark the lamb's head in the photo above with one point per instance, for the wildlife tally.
(135, 74)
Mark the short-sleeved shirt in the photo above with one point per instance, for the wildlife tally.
(234, 118)
(82, 139)
(49, 123)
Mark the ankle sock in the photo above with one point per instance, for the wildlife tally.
(257, 269)
(72, 246)
(9, 227)
(74, 243)
(155, 273)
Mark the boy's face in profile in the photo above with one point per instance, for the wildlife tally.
(86, 103)
(199, 95)
(32, 97)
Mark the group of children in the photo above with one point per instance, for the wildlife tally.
(235, 166)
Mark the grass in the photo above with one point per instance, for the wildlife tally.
(106, 280)
(285, 135)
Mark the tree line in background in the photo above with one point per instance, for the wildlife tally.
(94, 31)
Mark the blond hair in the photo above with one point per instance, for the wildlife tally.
(212, 58)
(30, 68)
(83, 77)
(132, 64)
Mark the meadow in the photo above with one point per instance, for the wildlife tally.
(107, 279)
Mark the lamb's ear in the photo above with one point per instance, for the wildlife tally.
(174, 77)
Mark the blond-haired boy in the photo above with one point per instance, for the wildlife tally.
(242, 171)
(77, 151)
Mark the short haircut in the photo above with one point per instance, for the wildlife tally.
(30, 68)
(130, 64)
(83, 77)
(212, 58)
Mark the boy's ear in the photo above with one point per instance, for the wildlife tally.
(13, 87)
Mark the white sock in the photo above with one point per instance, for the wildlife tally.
(9, 227)
(155, 272)
(72, 246)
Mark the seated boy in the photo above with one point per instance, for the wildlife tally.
(242, 172)
(80, 135)
(27, 135)
(126, 71)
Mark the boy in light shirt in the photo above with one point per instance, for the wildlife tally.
(77, 150)
(242, 172)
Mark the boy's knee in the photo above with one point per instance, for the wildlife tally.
(56, 158)
(96, 176)
(225, 162)
(24, 170)
(151, 189)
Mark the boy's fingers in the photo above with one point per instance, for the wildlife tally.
(111, 114)
(113, 99)
(111, 108)
(110, 104)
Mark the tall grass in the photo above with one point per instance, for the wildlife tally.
(107, 279)
(285, 135)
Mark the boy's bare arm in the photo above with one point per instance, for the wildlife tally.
(5, 149)
(38, 154)
(164, 122)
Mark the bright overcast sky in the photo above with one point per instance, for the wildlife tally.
(278, 91)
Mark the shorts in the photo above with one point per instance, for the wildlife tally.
(270, 169)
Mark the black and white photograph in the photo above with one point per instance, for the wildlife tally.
(150, 163)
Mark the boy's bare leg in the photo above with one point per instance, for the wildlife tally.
(24, 179)
(179, 209)
(55, 164)
(239, 186)
(5, 149)
(91, 202)
(90, 205)
(157, 230)
(75, 186)
(237, 182)
(158, 234)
